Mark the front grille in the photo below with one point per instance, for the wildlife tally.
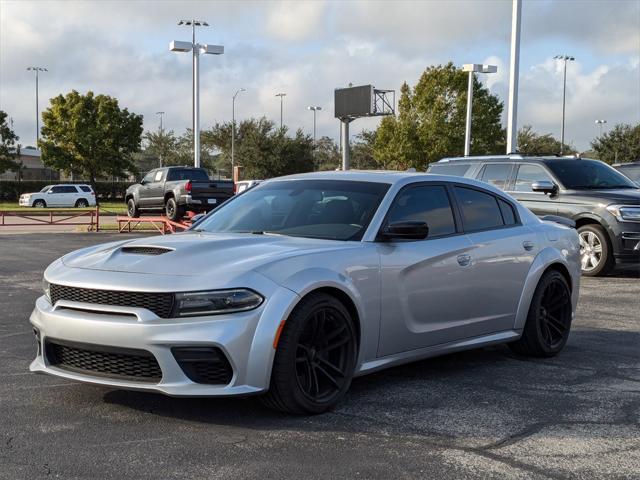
(159, 303)
(98, 360)
(145, 250)
(207, 365)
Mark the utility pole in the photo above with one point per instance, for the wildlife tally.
(564, 58)
(37, 70)
(233, 130)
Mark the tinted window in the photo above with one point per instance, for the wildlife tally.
(425, 203)
(529, 174)
(479, 210)
(508, 215)
(449, 169)
(57, 190)
(46, 188)
(328, 209)
(496, 174)
(69, 189)
(148, 178)
(188, 174)
(582, 174)
(85, 188)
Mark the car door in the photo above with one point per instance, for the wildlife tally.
(55, 196)
(146, 183)
(500, 258)
(539, 203)
(155, 193)
(423, 282)
(70, 195)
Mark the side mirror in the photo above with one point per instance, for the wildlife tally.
(544, 186)
(197, 218)
(406, 231)
(49, 191)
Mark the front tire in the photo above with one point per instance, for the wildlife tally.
(549, 319)
(40, 204)
(595, 251)
(173, 211)
(132, 209)
(315, 359)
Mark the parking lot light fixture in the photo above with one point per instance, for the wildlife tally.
(472, 68)
(37, 70)
(233, 128)
(314, 110)
(281, 95)
(600, 123)
(565, 59)
(197, 49)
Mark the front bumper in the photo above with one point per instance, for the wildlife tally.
(246, 339)
(24, 201)
(626, 242)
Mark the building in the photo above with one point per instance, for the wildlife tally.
(31, 167)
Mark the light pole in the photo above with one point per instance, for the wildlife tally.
(314, 110)
(233, 130)
(565, 59)
(281, 95)
(600, 123)
(514, 69)
(197, 49)
(37, 70)
(472, 68)
(160, 114)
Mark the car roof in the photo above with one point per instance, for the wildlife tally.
(511, 158)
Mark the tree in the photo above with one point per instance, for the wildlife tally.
(163, 145)
(532, 143)
(9, 151)
(430, 123)
(362, 151)
(90, 135)
(327, 154)
(621, 144)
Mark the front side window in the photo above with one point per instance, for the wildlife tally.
(582, 174)
(527, 175)
(424, 203)
(480, 211)
(57, 189)
(496, 174)
(148, 178)
(325, 209)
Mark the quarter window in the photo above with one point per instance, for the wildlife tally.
(508, 215)
(496, 174)
(480, 211)
(425, 203)
(529, 174)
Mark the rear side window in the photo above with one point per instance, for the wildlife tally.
(425, 203)
(508, 215)
(449, 169)
(85, 188)
(70, 189)
(187, 174)
(496, 174)
(527, 175)
(480, 211)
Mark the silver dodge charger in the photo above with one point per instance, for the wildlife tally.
(296, 286)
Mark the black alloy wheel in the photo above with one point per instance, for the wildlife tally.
(315, 359)
(132, 209)
(549, 320)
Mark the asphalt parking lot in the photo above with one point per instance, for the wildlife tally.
(480, 414)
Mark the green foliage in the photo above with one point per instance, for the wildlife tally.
(621, 144)
(10, 190)
(327, 154)
(532, 143)
(430, 122)
(90, 136)
(161, 146)
(8, 148)
(260, 149)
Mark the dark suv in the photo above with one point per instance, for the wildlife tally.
(604, 204)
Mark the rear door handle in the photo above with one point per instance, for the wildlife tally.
(528, 245)
(464, 260)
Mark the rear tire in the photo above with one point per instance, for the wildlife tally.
(549, 319)
(40, 204)
(82, 203)
(132, 209)
(315, 359)
(173, 211)
(595, 251)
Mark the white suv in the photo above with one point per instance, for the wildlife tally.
(79, 196)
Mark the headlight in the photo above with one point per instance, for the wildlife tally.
(625, 213)
(47, 289)
(215, 302)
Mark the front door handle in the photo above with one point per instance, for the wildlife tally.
(464, 260)
(528, 245)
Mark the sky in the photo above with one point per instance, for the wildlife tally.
(308, 48)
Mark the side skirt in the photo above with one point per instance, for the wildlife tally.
(436, 350)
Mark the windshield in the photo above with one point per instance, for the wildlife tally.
(327, 209)
(582, 174)
(46, 188)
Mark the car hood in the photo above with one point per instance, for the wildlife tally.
(622, 195)
(198, 254)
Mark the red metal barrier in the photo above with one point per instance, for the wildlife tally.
(161, 224)
(56, 217)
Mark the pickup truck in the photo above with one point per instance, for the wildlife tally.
(176, 190)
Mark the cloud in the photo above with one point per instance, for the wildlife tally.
(295, 20)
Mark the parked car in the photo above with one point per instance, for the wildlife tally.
(243, 185)
(70, 195)
(303, 282)
(176, 190)
(604, 204)
(630, 170)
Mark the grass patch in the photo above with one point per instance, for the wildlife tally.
(106, 208)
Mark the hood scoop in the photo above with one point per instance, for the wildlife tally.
(141, 250)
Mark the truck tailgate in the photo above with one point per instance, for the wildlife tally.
(220, 190)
